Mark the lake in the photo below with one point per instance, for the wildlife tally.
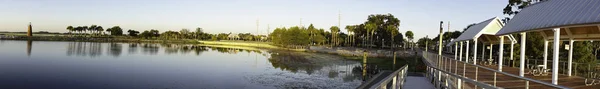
(90, 65)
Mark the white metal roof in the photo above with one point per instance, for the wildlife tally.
(554, 14)
(490, 27)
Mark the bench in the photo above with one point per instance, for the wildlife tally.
(592, 78)
(539, 70)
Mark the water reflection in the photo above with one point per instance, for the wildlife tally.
(150, 49)
(115, 49)
(133, 48)
(91, 49)
(29, 47)
(260, 69)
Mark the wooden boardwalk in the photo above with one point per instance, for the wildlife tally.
(509, 82)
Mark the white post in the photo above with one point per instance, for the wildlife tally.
(491, 50)
(467, 53)
(455, 50)
(545, 54)
(522, 63)
(461, 51)
(501, 53)
(475, 52)
(512, 47)
(555, 55)
(483, 52)
(570, 56)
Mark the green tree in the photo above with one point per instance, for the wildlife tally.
(99, 29)
(92, 28)
(351, 29)
(409, 36)
(132, 32)
(371, 27)
(70, 29)
(393, 30)
(334, 35)
(116, 31)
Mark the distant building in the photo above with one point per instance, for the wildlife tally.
(29, 32)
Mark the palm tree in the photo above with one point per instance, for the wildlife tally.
(334, 32)
(92, 28)
(410, 36)
(99, 29)
(70, 29)
(371, 27)
(84, 29)
(78, 29)
(394, 31)
(350, 29)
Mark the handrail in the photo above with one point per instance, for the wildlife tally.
(391, 77)
(480, 84)
(508, 74)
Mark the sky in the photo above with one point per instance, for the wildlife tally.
(241, 16)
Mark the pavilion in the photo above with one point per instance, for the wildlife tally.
(556, 21)
(485, 32)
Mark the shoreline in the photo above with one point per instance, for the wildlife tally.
(341, 51)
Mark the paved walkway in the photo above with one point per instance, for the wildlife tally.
(509, 82)
(417, 82)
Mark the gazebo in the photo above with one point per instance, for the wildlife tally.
(485, 32)
(556, 21)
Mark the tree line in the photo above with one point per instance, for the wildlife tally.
(379, 31)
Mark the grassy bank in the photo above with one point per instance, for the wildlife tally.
(247, 44)
(387, 63)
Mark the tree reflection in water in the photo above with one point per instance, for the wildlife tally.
(150, 49)
(133, 48)
(115, 49)
(91, 49)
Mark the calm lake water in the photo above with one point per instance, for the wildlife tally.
(89, 65)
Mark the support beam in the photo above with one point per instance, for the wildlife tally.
(467, 53)
(555, 55)
(455, 50)
(475, 52)
(483, 52)
(570, 57)
(512, 47)
(522, 63)
(545, 54)
(501, 53)
(460, 56)
(491, 50)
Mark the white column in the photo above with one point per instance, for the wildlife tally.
(555, 55)
(522, 63)
(475, 52)
(491, 50)
(545, 54)
(501, 53)
(467, 53)
(512, 47)
(455, 50)
(570, 57)
(460, 52)
(483, 52)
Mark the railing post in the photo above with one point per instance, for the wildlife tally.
(394, 86)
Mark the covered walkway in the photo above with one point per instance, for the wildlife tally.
(505, 81)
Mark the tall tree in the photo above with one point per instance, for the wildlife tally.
(409, 36)
(334, 32)
(393, 31)
(92, 28)
(116, 31)
(100, 30)
(132, 32)
(84, 28)
(371, 27)
(350, 29)
(70, 29)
